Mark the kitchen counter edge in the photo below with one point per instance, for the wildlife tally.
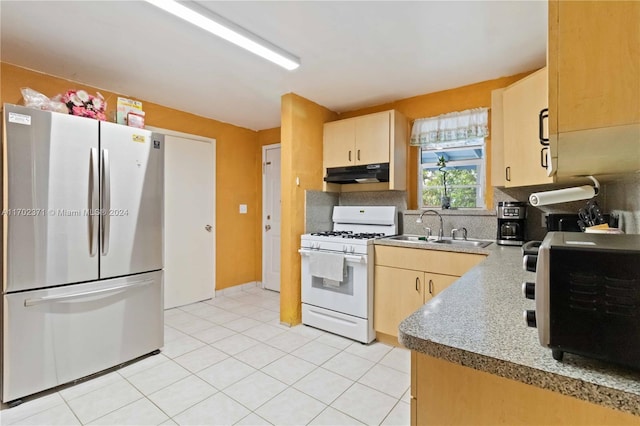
(477, 322)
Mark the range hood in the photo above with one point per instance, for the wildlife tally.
(368, 173)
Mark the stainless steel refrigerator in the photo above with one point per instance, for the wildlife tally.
(82, 252)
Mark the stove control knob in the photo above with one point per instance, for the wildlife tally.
(344, 248)
(529, 290)
(529, 262)
(530, 318)
(353, 249)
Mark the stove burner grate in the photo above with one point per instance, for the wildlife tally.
(365, 235)
(349, 234)
(332, 233)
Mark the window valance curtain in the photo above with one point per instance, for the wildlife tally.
(451, 130)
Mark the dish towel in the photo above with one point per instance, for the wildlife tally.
(327, 265)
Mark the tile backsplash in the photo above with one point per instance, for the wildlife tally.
(480, 224)
(375, 198)
(620, 196)
(319, 205)
(318, 209)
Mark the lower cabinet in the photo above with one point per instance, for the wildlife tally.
(405, 279)
(400, 292)
(446, 393)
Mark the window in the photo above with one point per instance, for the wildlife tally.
(452, 158)
(465, 176)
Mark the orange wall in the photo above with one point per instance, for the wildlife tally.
(237, 169)
(269, 136)
(301, 132)
(432, 104)
(302, 128)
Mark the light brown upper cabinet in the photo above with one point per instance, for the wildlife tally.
(498, 171)
(358, 140)
(368, 139)
(594, 87)
(516, 126)
(339, 141)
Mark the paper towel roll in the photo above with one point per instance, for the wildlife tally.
(562, 195)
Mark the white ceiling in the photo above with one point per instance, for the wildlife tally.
(354, 54)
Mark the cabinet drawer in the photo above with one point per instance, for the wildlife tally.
(54, 336)
(441, 262)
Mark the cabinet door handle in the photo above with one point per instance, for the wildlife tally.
(431, 286)
(543, 157)
(349, 155)
(418, 284)
(358, 155)
(543, 114)
(507, 173)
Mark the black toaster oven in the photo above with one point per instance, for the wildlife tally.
(587, 295)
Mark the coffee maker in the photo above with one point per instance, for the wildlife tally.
(512, 217)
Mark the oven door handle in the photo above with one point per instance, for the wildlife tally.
(304, 252)
(347, 257)
(353, 258)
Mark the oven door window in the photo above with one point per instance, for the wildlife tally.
(349, 296)
(343, 287)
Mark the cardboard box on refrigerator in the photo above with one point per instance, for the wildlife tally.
(124, 107)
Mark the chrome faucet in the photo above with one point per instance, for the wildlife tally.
(441, 231)
(464, 233)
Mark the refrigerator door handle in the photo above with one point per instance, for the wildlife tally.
(94, 192)
(106, 201)
(67, 297)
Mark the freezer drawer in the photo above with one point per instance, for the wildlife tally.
(55, 336)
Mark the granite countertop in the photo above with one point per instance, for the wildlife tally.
(478, 322)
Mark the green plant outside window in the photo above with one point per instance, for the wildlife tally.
(462, 169)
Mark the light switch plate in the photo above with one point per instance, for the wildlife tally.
(243, 209)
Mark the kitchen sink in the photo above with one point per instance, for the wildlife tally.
(413, 238)
(421, 239)
(462, 243)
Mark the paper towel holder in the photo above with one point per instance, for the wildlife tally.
(584, 192)
(596, 184)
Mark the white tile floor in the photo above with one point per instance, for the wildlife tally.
(229, 361)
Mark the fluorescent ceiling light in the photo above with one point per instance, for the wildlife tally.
(217, 25)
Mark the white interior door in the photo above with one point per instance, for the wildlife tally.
(189, 219)
(271, 217)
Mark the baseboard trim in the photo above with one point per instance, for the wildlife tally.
(238, 288)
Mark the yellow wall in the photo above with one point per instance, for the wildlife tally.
(301, 132)
(269, 136)
(432, 104)
(237, 169)
(238, 166)
(301, 138)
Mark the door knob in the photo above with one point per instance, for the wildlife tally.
(208, 228)
(267, 227)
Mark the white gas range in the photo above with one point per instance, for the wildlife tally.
(337, 270)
